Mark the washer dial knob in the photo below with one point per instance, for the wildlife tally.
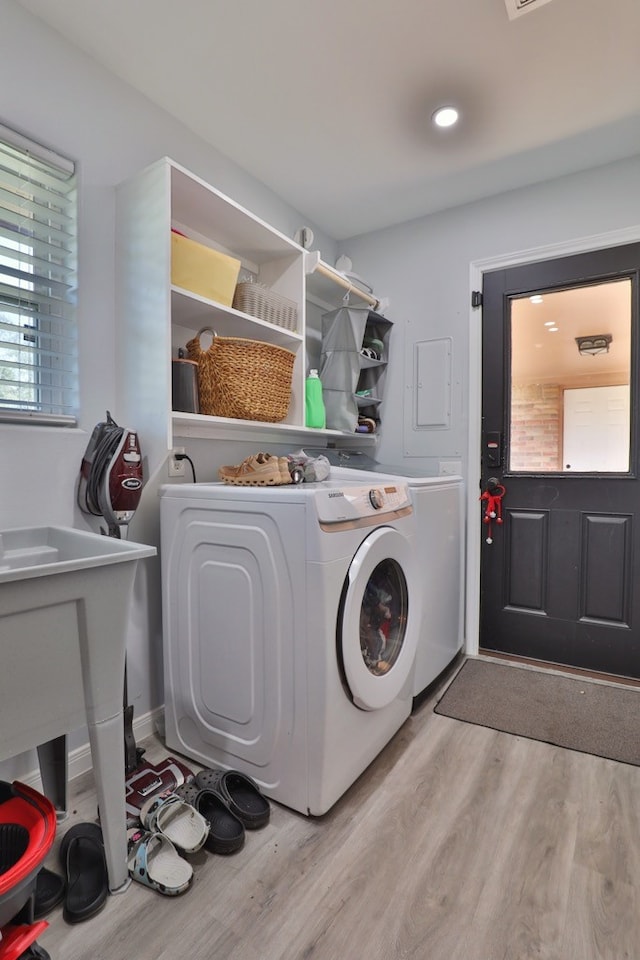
(376, 499)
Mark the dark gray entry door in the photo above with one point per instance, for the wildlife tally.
(560, 581)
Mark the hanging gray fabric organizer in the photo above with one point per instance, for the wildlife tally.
(342, 335)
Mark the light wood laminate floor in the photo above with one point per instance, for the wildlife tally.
(458, 843)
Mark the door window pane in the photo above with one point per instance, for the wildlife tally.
(569, 388)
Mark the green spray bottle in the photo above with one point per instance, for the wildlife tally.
(315, 414)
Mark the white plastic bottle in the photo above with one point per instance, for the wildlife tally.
(315, 414)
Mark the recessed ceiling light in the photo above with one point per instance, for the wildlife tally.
(550, 323)
(536, 298)
(445, 116)
(552, 329)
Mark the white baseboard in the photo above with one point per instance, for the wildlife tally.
(80, 758)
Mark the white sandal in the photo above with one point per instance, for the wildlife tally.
(176, 820)
(154, 861)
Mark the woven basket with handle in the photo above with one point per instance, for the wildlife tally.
(242, 379)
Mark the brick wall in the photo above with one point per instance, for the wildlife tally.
(536, 427)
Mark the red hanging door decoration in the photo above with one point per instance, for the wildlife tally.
(493, 507)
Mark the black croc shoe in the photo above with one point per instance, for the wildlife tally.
(226, 830)
(241, 793)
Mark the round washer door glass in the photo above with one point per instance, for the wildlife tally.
(379, 633)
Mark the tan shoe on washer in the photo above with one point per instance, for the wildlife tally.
(283, 466)
(285, 475)
(261, 469)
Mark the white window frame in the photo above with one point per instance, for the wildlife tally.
(38, 284)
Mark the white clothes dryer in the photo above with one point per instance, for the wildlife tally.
(291, 619)
(439, 515)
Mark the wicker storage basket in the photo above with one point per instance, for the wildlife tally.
(243, 379)
(258, 301)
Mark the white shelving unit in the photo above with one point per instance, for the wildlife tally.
(155, 318)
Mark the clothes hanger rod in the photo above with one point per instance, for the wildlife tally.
(343, 282)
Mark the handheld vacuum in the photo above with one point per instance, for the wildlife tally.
(111, 476)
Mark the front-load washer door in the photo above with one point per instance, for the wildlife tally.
(377, 633)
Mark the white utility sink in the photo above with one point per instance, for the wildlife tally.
(65, 599)
(60, 550)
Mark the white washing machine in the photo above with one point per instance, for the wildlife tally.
(291, 618)
(439, 514)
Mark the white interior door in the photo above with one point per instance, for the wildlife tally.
(596, 429)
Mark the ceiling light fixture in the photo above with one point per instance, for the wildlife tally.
(594, 345)
(445, 117)
(536, 298)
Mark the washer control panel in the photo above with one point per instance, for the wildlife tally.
(357, 501)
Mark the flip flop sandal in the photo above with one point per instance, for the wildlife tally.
(226, 831)
(85, 868)
(49, 893)
(241, 793)
(168, 814)
(153, 861)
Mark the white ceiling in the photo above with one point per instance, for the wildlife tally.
(541, 355)
(328, 101)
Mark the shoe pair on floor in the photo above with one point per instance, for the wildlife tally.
(260, 469)
(212, 811)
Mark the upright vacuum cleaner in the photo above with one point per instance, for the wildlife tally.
(110, 487)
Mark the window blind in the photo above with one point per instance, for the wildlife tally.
(38, 279)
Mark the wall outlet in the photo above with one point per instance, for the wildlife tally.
(450, 468)
(177, 468)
